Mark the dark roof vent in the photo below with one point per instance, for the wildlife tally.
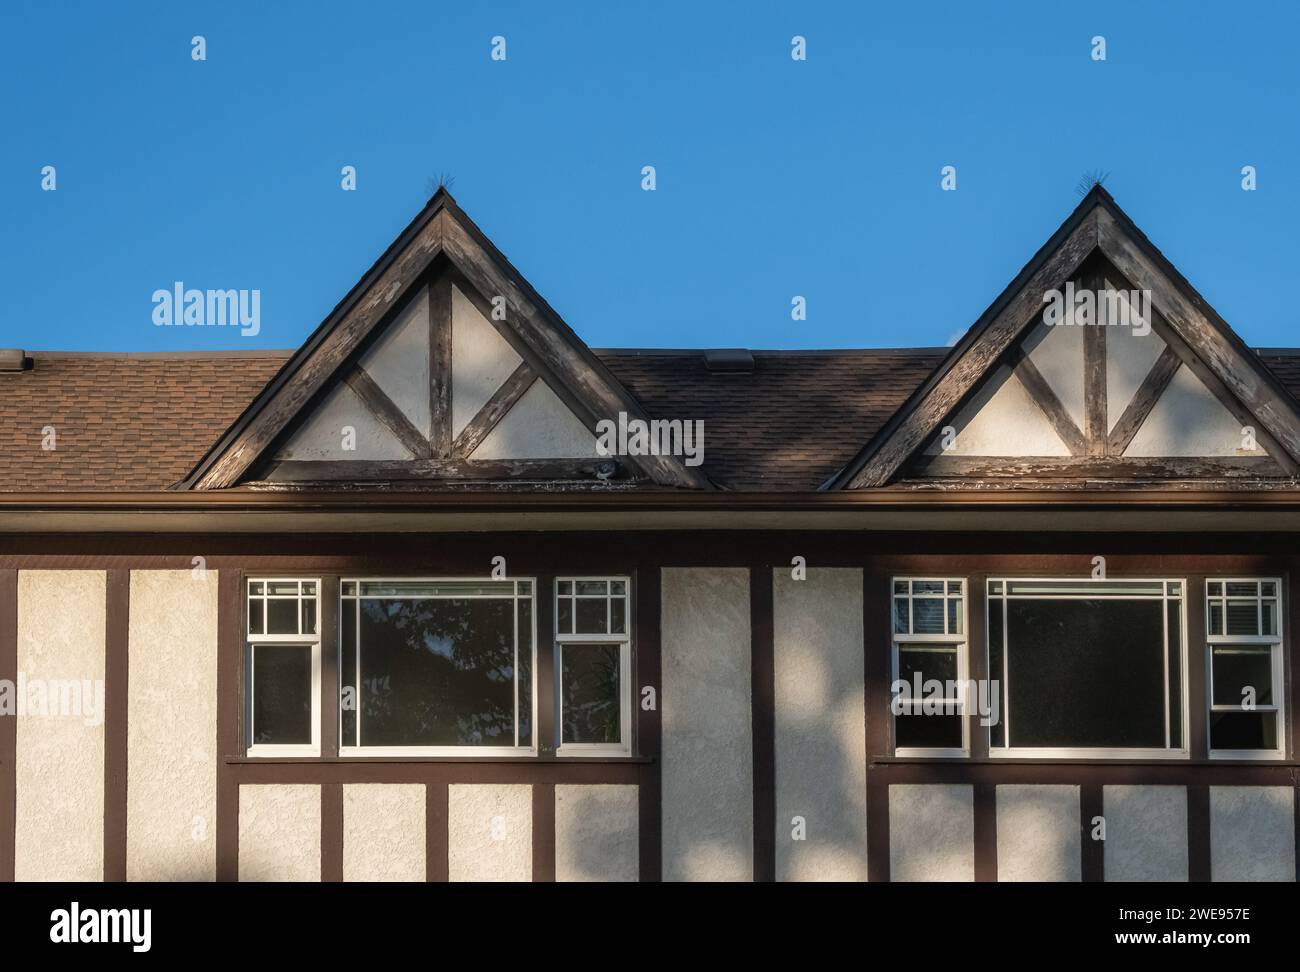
(13, 359)
(729, 359)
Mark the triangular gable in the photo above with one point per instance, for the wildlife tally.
(442, 364)
(1024, 396)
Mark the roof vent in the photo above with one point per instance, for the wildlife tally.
(13, 359)
(729, 359)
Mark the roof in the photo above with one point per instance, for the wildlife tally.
(140, 422)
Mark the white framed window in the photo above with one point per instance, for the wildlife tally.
(283, 666)
(929, 666)
(1088, 668)
(437, 667)
(1243, 620)
(593, 666)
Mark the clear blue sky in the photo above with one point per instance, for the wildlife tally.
(775, 178)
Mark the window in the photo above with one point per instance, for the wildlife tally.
(436, 667)
(593, 664)
(283, 715)
(1244, 635)
(1087, 668)
(929, 666)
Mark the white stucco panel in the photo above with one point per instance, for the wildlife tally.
(322, 434)
(398, 361)
(596, 833)
(383, 831)
(1252, 833)
(1146, 833)
(1002, 420)
(481, 360)
(279, 832)
(490, 832)
(931, 832)
(539, 426)
(1188, 420)
(1038, 833)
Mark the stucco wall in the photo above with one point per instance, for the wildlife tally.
(820, 726)
(1001, 419)
(707, 745)
(399, 360)
(481, 360)
(279, 832)
(1252, 833)
(1038, 833)
(172, 726)
(383, 831)
(539, 426)
(931, 832)
(490, 832)
(1146, 832)
(596, 833)
(59, 765)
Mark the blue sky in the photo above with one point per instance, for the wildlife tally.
(775, 178)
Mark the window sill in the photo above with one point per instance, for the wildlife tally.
(355, 760)
(1075, 761)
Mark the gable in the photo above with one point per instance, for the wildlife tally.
(442, 365)
(1142, 381)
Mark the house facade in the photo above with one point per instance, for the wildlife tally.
(446, 595)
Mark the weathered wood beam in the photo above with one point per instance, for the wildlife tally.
(561, 351)
(1041, 393)
(1095, 410)
(1236, 369)
(320, 361)
(494, 410)
(387, 412)
(440, 365)
(1143, 401)
(390, 470)
(992, 341)
(1063, 467)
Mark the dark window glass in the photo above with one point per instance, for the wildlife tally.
(564, 615)
(1237, 668)
(1086, 673)
(928, 731)
(930, 663)
(256, 616)
(1174, 623)
(997, 732)
(1243, 617)
(525, 656)
(900, 616)
(348, 670)
(1243, 730)
(282, 616)
(927, 615)
(591, 616)
(618, 616)
(590, 695)
(281, 695)
(437, 672)
(309, 615)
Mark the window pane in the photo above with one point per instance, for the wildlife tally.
(1269, 612)
(1243, 730)
(593, 587)
(348, 671)
(1214, 588)
(900, 587)
(1242, 589)
(927, 587)
(928, 731)
(1236, 669)
(927, 615)
(1174, 624)
(618, 616)
(525, 608)
(1087, 673)
(941, 665)
(349, 588)
(437, 672)
(954, 587)
(564, 615)
(437, 588)
(565, 587)
(591, 616)
(1216, 617)
(282, 616)
(1268, 589)
(618, 587)
(1242, 617)
(282, 587)
(255, 587)
(281, 695)
(954, 616)
(309, 616)
(256, 616)
(589, 694)
(900, 615)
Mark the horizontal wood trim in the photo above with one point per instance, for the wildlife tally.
(1049, 467)
(494, 410)
(1164, 772)
(376, 471)
(399, 771)
(387, 412)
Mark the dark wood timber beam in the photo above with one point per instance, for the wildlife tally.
(546, 335)
(373, 471)
(1070, 467)
(440, 366)
(1196, 324)
(502, 400)
(1095, 411)
(1040, 391)
(1144, 400)
(996, 336)
(321, 361)
(386, 411)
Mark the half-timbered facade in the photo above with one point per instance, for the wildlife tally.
(445, 594)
